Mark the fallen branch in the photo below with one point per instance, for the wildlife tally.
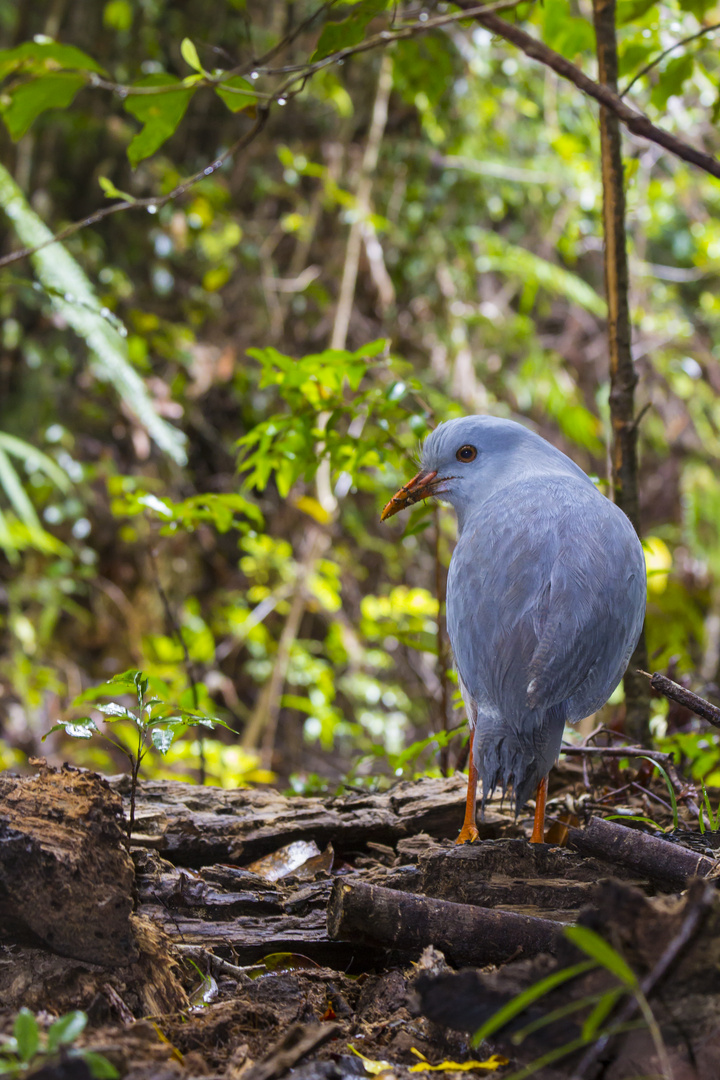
(667, 864)
(373, 915)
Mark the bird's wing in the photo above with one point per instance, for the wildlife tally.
(539, 591)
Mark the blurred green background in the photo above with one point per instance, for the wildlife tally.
(205, 402)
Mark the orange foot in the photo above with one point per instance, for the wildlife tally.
(468, 834)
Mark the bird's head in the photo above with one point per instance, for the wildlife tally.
(465, 460)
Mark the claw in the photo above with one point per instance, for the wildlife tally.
(468, 834)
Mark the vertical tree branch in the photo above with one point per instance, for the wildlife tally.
(623, 377)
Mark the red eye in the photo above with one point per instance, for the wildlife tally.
(466, 453)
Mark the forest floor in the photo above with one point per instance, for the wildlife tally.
(249, 934)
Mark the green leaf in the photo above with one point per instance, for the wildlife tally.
(27, 1035)
(35, 458)
(118, 15)
(66, 1030)
(521, 1001)
(236, 102)
(162, 739)
(349, 32)
(99, 1066)
(160, 114)
(600, 1013)
(671, 81)
(74, 299)
(632, 10)
(15, 492)
(597, 948)
(113, 709)
(29, 99)
(111, 192)
(697, 7)
(564, 33)
(80, 729)
(671, 789)
(46, 56)
(497, 253)
(190, 55)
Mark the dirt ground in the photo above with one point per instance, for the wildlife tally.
(205, 948)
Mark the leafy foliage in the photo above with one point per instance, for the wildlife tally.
(150, 354)
(29, 1049)
(153, 722)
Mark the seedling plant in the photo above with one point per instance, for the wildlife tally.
(28, 1049)
(154, 723)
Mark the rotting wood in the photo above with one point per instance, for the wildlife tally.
(66, 878)
(373, 915)
(669, 866)
(197, 826)
(534, 879)
(657, 937)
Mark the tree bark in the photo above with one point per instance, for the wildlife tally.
(372, 915)
(623, 377)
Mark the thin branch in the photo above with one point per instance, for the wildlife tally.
(153, 201)
(693, 702)
(176, 631)
(634, 120)
(615, 751)
(671, 48)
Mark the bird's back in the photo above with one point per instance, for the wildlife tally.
(545, 603)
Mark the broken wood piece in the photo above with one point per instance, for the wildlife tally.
(668, 865)
(373, 915)
(298, 1041)
(66, 878)
(699, 705)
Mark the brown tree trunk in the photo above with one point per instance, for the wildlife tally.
(623, 377)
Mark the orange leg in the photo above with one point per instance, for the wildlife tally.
(469, 833)
(538, 833)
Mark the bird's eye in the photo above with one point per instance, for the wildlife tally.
(466, 453)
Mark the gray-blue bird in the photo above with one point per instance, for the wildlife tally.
(545, 597)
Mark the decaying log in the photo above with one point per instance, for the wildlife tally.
(196, 826)
(662, 939)
(669, 866)
(66, 878)
(533, 879)
(374, 915)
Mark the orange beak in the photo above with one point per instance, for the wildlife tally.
(420, 487)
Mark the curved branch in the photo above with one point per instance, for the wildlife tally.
(671, 48)
(634, 120)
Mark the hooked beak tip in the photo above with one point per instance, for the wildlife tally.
(420, 487)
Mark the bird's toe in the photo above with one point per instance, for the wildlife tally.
(468, 835)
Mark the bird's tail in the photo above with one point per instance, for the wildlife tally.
(517, 755)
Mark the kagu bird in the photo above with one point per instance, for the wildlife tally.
(545, 597)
